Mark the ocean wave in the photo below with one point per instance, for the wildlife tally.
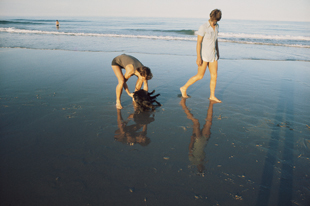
(13, 30)
(181, 31)
(261, 36)
(234, 35)
(18, 22)
(33, 21)
(265, 43)
(223, 37)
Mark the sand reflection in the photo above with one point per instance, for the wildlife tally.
(199, 138)
(133, 130)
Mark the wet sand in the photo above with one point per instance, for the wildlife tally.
(64, 143)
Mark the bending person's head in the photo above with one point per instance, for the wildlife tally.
(145, 72)
(216, 15)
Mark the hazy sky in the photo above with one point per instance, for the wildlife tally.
(286, 10)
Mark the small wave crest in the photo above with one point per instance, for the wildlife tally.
(13, 30)
(182, 31)
(32, 21)
(223, 37)
(18, 22)
(264, 43)
(260, 36)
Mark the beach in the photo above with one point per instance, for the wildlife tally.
(61, 140)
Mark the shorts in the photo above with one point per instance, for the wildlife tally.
(114, 62)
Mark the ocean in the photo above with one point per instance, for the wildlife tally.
(238, 39)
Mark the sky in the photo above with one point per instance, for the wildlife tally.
(274, 10)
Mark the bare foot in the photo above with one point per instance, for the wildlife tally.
(215, 99)
(118, 106)
(183, 91)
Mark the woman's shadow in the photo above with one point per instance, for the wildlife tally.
(199, 138)
(135, 133)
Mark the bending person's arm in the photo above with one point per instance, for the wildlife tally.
(125, 86)
(145, 85)
(139, 83)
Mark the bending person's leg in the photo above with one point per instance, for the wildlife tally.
(119, 87)
(192, 80)
(213, 73)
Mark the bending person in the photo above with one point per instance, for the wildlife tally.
(132, 67)
(207, 53)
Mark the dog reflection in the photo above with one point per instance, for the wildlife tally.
(199, 138)
(131, 134)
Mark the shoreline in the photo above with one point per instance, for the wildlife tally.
(118, 52)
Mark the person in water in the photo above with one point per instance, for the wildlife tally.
(132, 67)
(207, 53)
(57, 23)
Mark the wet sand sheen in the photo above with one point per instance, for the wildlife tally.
(63, 141)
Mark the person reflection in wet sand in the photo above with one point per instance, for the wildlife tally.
(199, 138)
(134, 133)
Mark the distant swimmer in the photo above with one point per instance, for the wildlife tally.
(207, 54)
(57, 23)
(132, 67)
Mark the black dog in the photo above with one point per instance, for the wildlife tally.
(144, 100)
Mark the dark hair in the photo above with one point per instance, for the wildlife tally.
(145, 72)
(216, 14)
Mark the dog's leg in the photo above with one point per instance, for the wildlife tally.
(153, 97)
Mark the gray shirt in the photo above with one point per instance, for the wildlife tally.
(124, 59)
(208, 50)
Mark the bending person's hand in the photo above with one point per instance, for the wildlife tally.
(131, 95)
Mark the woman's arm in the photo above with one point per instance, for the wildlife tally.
(198, 50)
(126, 88)
(139, 83)
(217, 49)
(145, 85)
(127, 75)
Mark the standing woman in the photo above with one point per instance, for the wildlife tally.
(207, 53)
(132, 67)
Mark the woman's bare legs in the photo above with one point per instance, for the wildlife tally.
(213, 73)
(201, 71)
(192, 80)
(119, 88)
